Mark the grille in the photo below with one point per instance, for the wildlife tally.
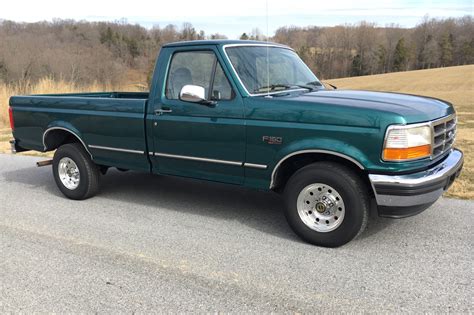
(444, 134)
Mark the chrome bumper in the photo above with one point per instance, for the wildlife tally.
(417, 189)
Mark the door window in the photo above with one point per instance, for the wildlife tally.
(198, 68)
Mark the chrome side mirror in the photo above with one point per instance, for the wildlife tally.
(195, 94)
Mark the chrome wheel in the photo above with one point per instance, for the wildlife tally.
(68, 173)
(321, 207)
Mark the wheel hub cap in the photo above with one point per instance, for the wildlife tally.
(68, 173)
(321, 207)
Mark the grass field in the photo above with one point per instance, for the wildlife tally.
(454, 84)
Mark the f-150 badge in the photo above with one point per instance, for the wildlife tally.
(272, 140)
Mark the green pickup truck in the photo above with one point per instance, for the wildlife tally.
(253, 114)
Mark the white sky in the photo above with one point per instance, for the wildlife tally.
(235, 17)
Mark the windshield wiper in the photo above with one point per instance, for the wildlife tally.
(277, 87)
(272, 88)
(314, 83)
(306, 86)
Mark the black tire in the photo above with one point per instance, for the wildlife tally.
(349, 187)
(89, 173)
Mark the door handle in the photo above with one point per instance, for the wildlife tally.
(163, 110)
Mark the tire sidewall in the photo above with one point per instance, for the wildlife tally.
(345, 186)
(77, 156)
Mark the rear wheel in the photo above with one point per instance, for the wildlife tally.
(327, 204)
(76, 176)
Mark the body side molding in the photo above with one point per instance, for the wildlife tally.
(195, 158)
(257, 166)
(201, 159)
(100, 147)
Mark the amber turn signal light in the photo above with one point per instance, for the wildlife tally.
(393, 154)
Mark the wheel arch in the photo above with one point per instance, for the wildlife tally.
(55, 136)
(290, 163)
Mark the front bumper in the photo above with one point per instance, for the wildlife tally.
(400, 196)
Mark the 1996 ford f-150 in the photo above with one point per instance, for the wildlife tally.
(253, 114)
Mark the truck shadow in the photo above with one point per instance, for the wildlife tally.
(260, 210)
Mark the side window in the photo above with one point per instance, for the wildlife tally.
(193, 67)
(221, 89)
(197, 68)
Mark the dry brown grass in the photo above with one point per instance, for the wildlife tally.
(454, 84)
(49, 86)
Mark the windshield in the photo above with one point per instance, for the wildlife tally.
(284, 68)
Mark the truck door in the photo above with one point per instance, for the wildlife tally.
(198, 140)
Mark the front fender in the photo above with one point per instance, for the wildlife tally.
(319, 145)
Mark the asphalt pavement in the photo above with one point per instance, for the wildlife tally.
(153, 243)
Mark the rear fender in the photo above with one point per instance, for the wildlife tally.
(66, 127)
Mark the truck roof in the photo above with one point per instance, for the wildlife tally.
(219, 42)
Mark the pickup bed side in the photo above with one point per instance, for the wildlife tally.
(110, 125)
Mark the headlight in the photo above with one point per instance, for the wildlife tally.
(403, 143)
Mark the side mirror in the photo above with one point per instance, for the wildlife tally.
(194, 94)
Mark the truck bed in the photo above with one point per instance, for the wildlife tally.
(113, 120)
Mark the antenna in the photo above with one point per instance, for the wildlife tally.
(268, 59)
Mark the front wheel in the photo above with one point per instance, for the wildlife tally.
(74, 172)
(327, 204)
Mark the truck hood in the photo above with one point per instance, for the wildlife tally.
(410, 108)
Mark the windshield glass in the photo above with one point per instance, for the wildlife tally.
(285, 69)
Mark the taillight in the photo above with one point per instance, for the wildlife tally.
(12, 122)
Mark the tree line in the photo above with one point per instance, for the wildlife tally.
(85, 52)
(364, 48)
(118, 52)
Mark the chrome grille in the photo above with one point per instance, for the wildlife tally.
(444, 134)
